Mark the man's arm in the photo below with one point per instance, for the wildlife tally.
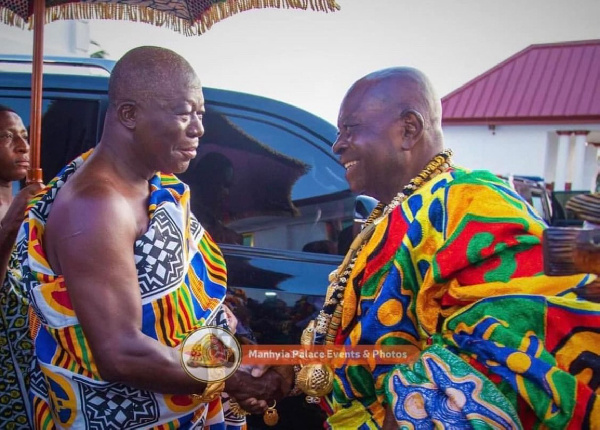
(92, 239)
(9, 225)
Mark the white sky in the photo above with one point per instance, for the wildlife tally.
(309, 59)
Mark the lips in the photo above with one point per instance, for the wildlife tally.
(22, 163)
(188, 152)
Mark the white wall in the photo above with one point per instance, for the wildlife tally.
(509, 149)
(64, 38)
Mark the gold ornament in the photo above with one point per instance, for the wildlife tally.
(315, 380)
(211, 392)
(308, 334)
(236, 409)
(271, 417)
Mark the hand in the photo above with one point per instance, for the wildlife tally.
(254, 406)
(244, 387)
(231, 319)
(15, 214)
(256, 370)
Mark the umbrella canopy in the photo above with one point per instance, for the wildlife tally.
(190, 17)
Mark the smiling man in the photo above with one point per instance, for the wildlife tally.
(448, 264)
(119, 272)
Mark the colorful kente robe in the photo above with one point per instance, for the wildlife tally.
(456, 270)
(16, 352)
(182, 282)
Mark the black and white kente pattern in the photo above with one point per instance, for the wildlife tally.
(16, 353)
(116, 406)
(195, 228)
(159, 256)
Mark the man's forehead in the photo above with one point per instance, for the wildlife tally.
(364, 99)
(8, 116)
(171, 95)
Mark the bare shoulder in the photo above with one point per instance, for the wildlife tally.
(92, 200)
(91, 210)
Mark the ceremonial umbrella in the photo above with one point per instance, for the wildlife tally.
(190, 17)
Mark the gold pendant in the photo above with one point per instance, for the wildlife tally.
(271, 417)
(315, 380)
(308, 334)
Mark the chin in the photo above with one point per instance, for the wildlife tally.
(17, 175)
(181, 168)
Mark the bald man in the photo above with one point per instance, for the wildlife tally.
(118, 271)
(449, 269)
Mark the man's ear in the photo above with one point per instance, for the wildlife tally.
(413, 128)
(126, 111)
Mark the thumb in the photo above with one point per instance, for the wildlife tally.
(259, 370)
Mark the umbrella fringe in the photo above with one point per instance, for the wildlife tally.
(120, 11)
(8, 17)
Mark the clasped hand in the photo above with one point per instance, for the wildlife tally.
(256, 393)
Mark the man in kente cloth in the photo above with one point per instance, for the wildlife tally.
(449, 263)
(16, 349)
(118, 271)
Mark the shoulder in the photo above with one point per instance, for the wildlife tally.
(91, 202)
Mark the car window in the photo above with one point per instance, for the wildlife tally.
(261, 180)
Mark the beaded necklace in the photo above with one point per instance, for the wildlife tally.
(328, 321)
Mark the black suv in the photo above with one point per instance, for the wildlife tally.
(264, 183)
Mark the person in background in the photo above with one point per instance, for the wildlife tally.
(211, 179)
(118, 271)
(449, 264)
(16, 349)
(587, 208)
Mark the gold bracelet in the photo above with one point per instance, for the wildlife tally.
(211, 392)
(236, 409)
(295, 391)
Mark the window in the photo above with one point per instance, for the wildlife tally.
(261, 180)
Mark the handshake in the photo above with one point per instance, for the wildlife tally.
(256, 390)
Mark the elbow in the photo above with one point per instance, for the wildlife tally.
(115, 364)
(111, 368)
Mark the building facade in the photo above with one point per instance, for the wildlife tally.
(535, 114)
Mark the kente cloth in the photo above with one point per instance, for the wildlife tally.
(182, 282)
(16, 352)
(456, 271)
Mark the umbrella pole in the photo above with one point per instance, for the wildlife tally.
(39, 16)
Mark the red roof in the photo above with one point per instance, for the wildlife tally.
(548, 83)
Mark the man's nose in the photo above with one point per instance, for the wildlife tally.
(196, 126)
(21, 143)
(339, 145)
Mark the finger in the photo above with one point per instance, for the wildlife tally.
(34, 188)
(253, 406)
(262, 404)
(259, 370)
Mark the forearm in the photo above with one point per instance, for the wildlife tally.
(146, 364)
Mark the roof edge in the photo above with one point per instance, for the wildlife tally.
(515, 56)
(589, 119)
